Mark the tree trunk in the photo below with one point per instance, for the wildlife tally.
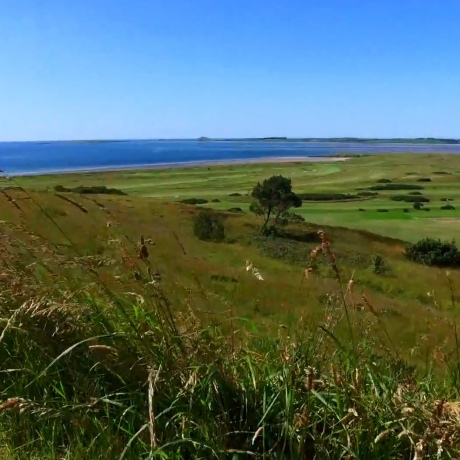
(267, 218)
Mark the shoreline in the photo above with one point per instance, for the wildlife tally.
(185, 164)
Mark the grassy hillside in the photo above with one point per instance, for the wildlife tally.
(186, 354)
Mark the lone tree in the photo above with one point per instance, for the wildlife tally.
(272, 198)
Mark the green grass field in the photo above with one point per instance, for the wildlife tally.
(186, 354)
(217, 182)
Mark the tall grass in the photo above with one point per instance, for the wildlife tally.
(91, 373)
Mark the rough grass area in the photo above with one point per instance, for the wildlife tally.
(124, 336)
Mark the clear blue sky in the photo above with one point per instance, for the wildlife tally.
(84, 69)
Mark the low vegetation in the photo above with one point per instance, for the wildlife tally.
(394, 186)
(328, 196)
(434, 252)
(367, 193)
(88, 190)
(292, 217)
(410, 198)
(193, 201)
(209, 227)
(380, 265)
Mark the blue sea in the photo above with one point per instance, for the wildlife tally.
(18, 158)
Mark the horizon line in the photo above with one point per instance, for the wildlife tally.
(205, 138)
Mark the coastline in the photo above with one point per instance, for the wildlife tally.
(185, 164)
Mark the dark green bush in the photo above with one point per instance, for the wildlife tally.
(379, 265)
(234, 194)
(382, 210)
(384, 181)
(397, 187)
(417, 205)
(193, 201)
(410, 198)
(448, 207)
(406, 210)
(235, 210)
(215, 200)
(88, 190)
(361, 209)
(434, 252)
(415, 193)
(326, 196)
(208, 227)
(367, 193)
(424, 179)
(447, 199)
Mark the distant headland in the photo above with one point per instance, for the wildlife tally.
(360, 140)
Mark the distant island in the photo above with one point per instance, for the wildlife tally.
(360, 140)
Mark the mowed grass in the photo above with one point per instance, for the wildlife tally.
(351, 176)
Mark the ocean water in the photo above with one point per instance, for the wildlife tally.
(50, 157)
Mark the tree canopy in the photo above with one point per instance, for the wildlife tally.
(272, 198)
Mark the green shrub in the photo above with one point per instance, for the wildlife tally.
(417, 205)
(434, 252)
(410, 198)
(235, 210)
(208, 227)
(215, 200)
(384, 181)
(448, 207)
(367, 194)
(379, 265)
(234, 194)
(88, 190)
(447, 199)
(193, 201)
(382, 210)
(361, 209)
(415, 193)
(397, 187)
(406, 210)
(424, 179)
(326, 196)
